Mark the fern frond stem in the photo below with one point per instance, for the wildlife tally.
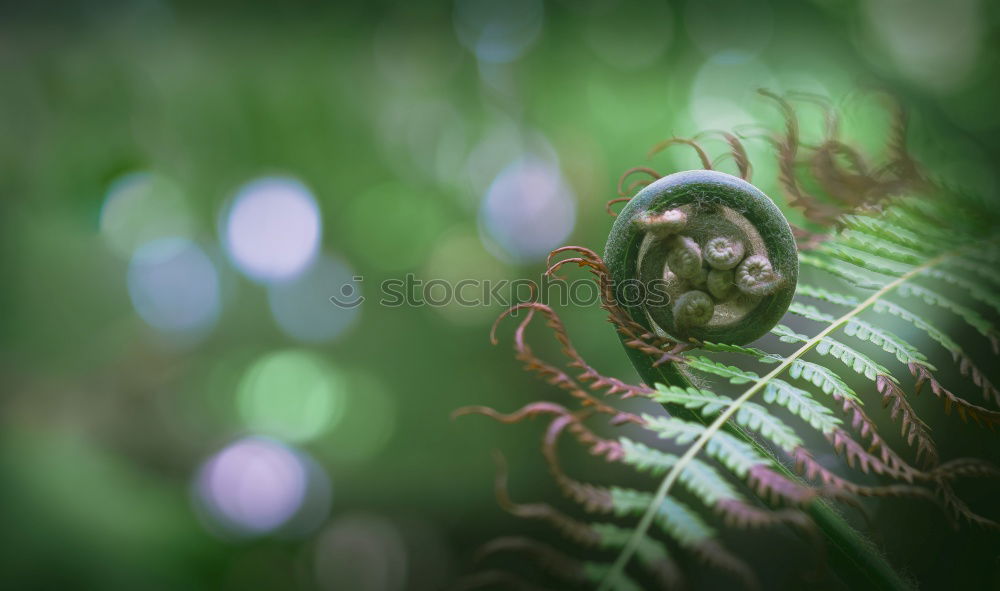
(725, 415)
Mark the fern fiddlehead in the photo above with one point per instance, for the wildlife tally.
(673, 237)
(717, 248)
(727, 213)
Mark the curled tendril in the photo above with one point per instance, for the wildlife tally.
(724, 252)
(756, 276)
(694, 308)
(684, 258)
(846, 181)
(721, 285)
(678, 232)
(706, 162)
(666, 223)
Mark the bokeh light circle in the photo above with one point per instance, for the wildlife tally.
(498, 32)
(461, 259)
(427, 136)
(316, 501)
(293, 395)
(499, 146)
(528, 210)
(141, 207)
(302, 307)
(253, 486)
(724, 95)
(272, 229)
(361, 552)
(174, 287)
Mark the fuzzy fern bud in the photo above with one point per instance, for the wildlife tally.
(756, 276)
(724, 252)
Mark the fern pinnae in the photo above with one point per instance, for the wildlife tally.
(848, 273)
(865, 260)
(865, 331)
(886, 249)
(978, 268)
(971, 317)
(752, 416)
(567, 526)
(852, 358)
(679, 521)
(885, 230)
(924, 372)
(652, 554)
(734, 374)
(884, 254)
(988, 256)
(592, 498)
(686, 527)
(907, 354)
(710, 486)
(913, 429)
(757, 386)
(699, 477)
(803, 405)
(823, 378)
(974, 290)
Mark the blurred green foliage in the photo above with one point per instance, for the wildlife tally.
(398, 130)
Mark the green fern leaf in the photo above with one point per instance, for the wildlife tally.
(737, 456)
(846, 272)
(974, 290)
(693, 398)
(651, 553)
(865, 260)
(752, 351)
(888, 341)
(735, 375)
(751, 415)
(698, 476)
(675, 518)
(825, 379)
(885, 249)
(826, 295)
(852, 358)
(801, 403)
(932, 298)
(882, 228)
(939, 336)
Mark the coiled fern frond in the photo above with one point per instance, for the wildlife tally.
(738, 443)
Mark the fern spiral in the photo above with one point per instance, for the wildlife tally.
(689, 228)
(743, 428)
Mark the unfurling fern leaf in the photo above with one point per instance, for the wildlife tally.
(738, 444)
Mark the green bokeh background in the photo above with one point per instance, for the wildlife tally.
(398, 129)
